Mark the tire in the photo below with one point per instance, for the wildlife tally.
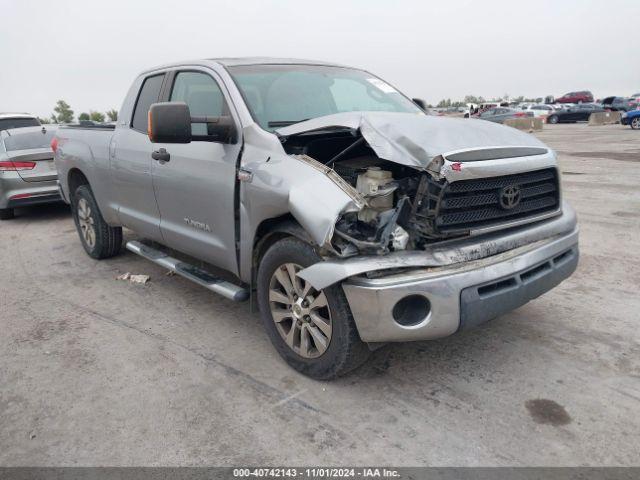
(97, 237)
(552, 119)
(344, 350)
(635, 123)
(6, 213)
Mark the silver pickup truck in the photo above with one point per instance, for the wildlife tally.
(355, 217)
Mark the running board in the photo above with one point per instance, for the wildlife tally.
(190, 272)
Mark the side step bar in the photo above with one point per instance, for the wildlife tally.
(190, 272)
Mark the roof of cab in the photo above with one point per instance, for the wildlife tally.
(232, 62)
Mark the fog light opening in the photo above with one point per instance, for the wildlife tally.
(411, 310)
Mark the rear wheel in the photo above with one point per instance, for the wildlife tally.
(98, 238)
(552, 119)
(635, 123)
(313, 330)
(6, 213)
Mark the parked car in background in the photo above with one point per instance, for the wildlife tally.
(582, 96)
(631, 118)
(620, 104)
(27, 171)
(577, 113)
(539, 110)
(500, 114)
(636, 97)
(296, 178)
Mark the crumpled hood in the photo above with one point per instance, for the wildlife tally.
(416, 139)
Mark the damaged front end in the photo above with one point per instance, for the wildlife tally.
(411, 195)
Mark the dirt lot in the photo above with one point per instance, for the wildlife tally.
(98, 371)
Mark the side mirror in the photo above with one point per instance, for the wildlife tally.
(169, 122)
(421, 103)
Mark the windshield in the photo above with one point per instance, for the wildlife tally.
(280, 95)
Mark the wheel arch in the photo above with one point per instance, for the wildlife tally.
(269, 232)
(75, 178)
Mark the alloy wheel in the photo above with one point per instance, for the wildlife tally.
(85, 221)
(301, 313)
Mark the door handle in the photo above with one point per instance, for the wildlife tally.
(161, 155)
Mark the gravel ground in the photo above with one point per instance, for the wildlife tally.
(95, 371)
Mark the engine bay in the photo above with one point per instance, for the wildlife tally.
(401, 202)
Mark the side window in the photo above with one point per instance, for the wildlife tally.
(149, 94)
(203, 96)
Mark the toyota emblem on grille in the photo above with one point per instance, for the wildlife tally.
(510, 197)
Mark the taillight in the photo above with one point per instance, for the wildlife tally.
(54, 144)
(520, 114)
(21, 195)
(16, 166)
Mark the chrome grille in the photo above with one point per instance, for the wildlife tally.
(469, 204)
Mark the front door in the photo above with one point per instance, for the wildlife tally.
(195, 189)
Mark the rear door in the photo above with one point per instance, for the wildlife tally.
(585, 112)
(30, 150)
(131, 164)
(488, 115)
(501, 114)
(195, 189)
(571, 115)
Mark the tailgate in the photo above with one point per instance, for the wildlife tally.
(35, 165)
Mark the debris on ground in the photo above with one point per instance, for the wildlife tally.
(170, 273)
(140, 279)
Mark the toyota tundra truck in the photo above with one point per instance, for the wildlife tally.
(348, 214)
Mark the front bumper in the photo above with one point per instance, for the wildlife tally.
(461, 295)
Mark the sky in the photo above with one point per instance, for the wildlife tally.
(88, 52)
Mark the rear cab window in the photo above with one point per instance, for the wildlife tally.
(148, 95)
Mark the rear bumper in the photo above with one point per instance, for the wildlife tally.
(461, 295)
(33, 200)
(15, 192)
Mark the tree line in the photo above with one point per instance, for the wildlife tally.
(62, 113)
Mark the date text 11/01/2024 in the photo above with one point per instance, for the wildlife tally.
(364, 472)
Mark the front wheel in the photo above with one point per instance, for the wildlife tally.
(6, 213)
(552, 119)
(635, 123)
(98, 238)
(312, 330)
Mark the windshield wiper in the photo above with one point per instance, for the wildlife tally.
(284, 123)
